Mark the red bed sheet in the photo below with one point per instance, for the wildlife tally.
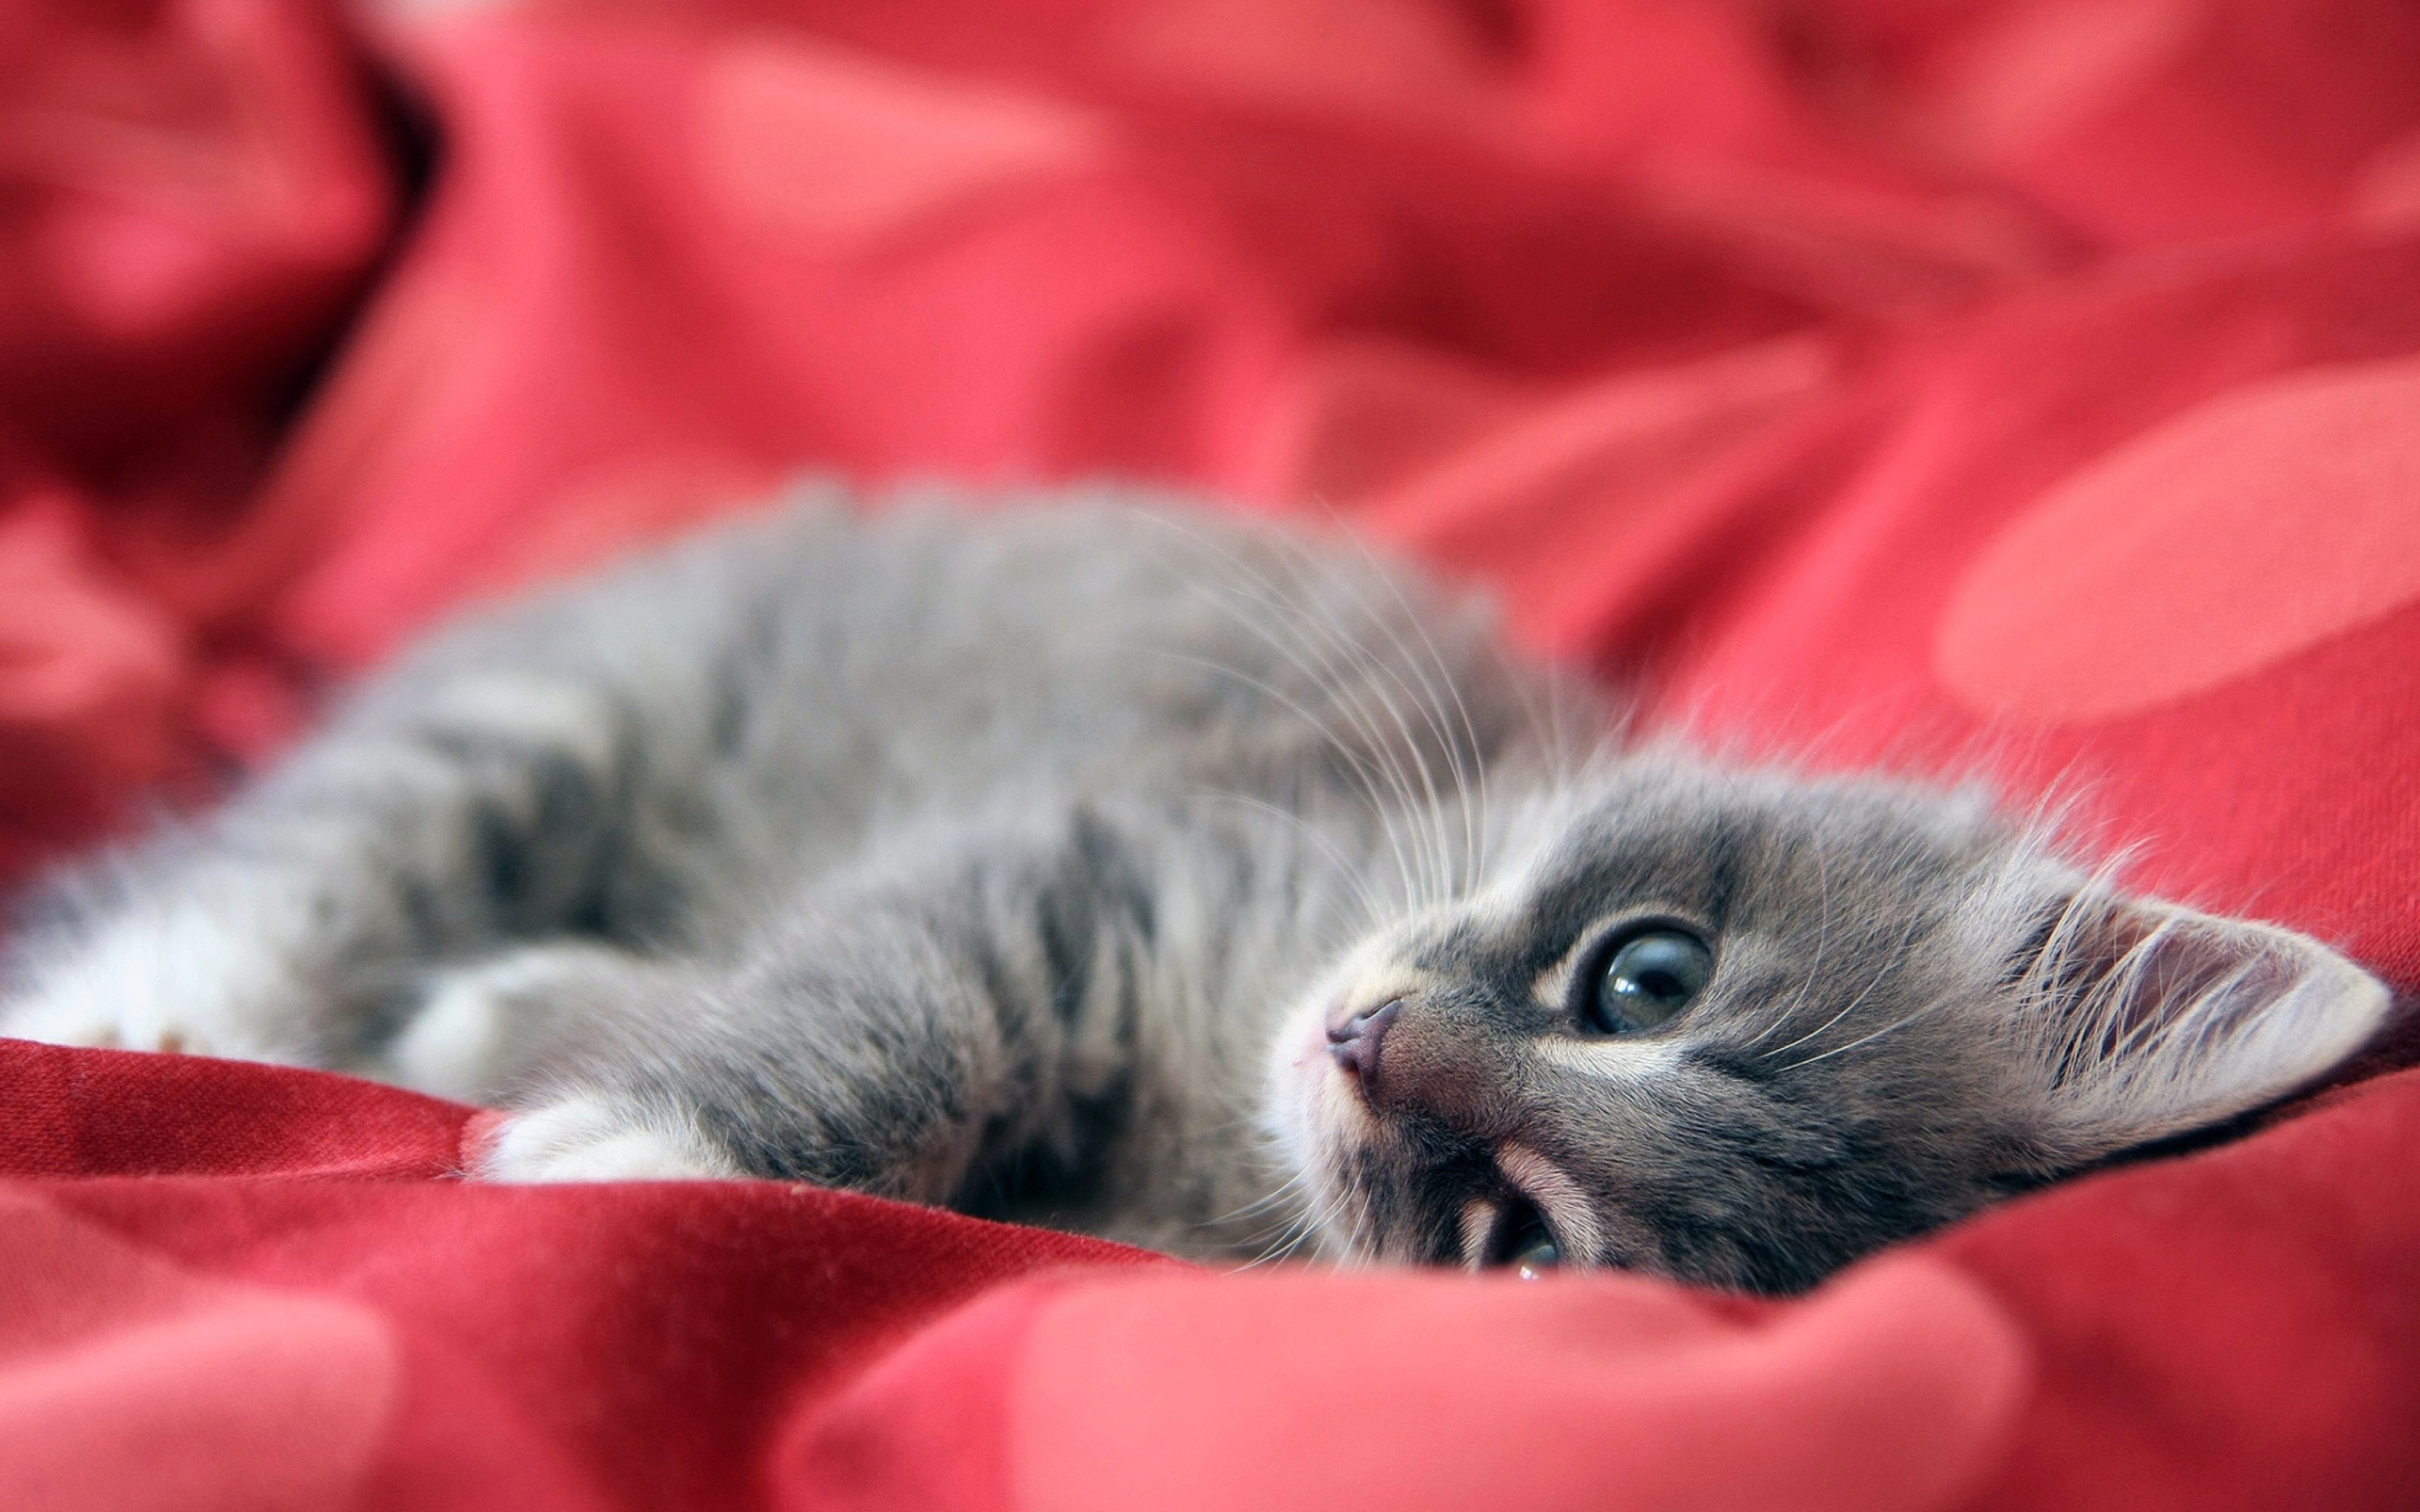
(2023, 387)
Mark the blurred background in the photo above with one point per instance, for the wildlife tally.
(2030, 382)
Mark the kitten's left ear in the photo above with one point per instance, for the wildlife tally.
(2155, 1019)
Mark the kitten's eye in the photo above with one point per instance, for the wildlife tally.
(1524, 1243)
(1537, 1257)
(1653, 977)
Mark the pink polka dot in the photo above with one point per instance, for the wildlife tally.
(835, 147)
(1889, 1391)
(2238, 534)
(2386, 189)
(130, 1384)
(87, 667)
(1421, 62)
(2033, 71)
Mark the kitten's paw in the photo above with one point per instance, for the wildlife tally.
(57, 1020)
(591, 1137)
(78, 1020)
(175, 983)
(476, 1024)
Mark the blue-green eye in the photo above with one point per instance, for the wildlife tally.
(1649, 980)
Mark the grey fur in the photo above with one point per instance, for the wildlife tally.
(1022, 861)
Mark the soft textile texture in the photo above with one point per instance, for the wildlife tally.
(2022, 388)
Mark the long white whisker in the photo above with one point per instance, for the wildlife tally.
(1889, 964)
(1379, 748)
(1403, 862)
(1815, 969)
(1380, 673)
(1347, 871)
(1474, 825)
(1865, 1039)
(1376, 674)
(1283, 1189)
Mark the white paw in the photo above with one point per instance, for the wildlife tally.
(177, 981)
(586, 1137)
(459, 1044)
(452, 1045)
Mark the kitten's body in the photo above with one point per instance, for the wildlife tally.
(1168, 880)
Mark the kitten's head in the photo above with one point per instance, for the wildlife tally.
(1742, 1029)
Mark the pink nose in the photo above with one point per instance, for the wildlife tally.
(1355, 1042)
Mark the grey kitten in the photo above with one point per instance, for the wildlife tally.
(1173, 880)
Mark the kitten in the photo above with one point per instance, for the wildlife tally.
(1177, 881)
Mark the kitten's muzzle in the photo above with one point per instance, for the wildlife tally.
(1355, 1042)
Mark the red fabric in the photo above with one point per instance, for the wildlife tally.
(2022, 386)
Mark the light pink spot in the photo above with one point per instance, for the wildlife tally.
(2386, 190)
(1419, 61)
(2033, 71)
(1889, 1391)
(86, 665)
(128, 1382)
(2240, 533)
(838, 148)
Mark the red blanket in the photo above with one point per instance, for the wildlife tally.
(2023, 386)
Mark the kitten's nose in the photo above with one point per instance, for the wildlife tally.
(1355, 1042)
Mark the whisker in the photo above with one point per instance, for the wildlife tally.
(1348, 873)
(1474, 825)
(1889, 964)
(1282, 1189)
(1378, 674)
(1815, 969)
(1377, 747)
(1922, 1012)
(1423, 699)
(1270, 691)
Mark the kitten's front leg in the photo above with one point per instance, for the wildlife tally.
(905, 1033)
(444, 817)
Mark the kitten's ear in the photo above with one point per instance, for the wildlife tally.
(2154, 1019)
